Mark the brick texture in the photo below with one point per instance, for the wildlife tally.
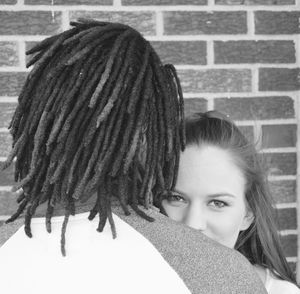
(255, 2)
(9, 54)
(11, 83)
(283, 191)
(8, 2)
(279, 136)
(277, 22)
(289, 244)
(164, 2)
(279, 79)
(69, 2)
(194, 105)
(191, 23)
(256, 108)
(181, 52)
(5, 144)
(29, 23)
(280, 163)
(6, 112)
(216, 80)
(254, 52)
(7, 175)
(287, 218)
(143, 21)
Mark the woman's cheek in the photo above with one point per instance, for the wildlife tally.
(174, 212)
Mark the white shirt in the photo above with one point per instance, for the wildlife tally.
(94, 262)
(274, 285)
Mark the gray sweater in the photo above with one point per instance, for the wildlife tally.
(204, 266)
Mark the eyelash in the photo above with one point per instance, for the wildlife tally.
(224, 204)
(172, 197)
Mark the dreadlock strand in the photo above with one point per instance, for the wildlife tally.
(126, 138)
(137, 86)
(65, 108)
(21, 208)
(110, 219)
(139, 123)
(14, 151)
(90, 166)
(95, 209)
(181, 106)
(122, 194)
(108, 68)
(135, 193)
(161, 82)
(63, 234)
(109, 149)
(103, 203)
(49, 53)
(49, 214)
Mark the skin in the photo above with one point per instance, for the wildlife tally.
(210, 194)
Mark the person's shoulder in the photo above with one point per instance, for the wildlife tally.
(205, 265)
(7, 230)
(276, 285)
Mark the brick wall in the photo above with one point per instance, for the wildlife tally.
(238, 56)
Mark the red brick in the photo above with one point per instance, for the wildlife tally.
(9, 54)
(279, 136)
(189, 52)
(195, 23)
(283, 191)
(255, 2)
(143, 21)
(279, 79)
(6, 112)
(255, 108)
(289, 244)
(254, 52)
(164, 2)
(287, 218)
(11, 83)
(277, 22)
(216, 80)
(29, 23)
(5, 144)
(7, 175)
(6, 2)
(280, 163)
(69, 2)
(194, 105)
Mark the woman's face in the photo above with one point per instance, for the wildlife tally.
(209, 194)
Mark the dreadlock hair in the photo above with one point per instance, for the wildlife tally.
(97, 97)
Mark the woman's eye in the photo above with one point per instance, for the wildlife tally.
(218, 203)
(175, 198)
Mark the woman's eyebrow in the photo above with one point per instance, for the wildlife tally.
(221, 194)
(178, 191)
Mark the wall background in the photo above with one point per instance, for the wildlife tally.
(238, 56)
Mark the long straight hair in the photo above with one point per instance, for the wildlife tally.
(260, 243)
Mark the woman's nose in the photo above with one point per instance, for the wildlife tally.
(195, 217)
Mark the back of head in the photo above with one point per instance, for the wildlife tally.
(98, 110)
(260, 242)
